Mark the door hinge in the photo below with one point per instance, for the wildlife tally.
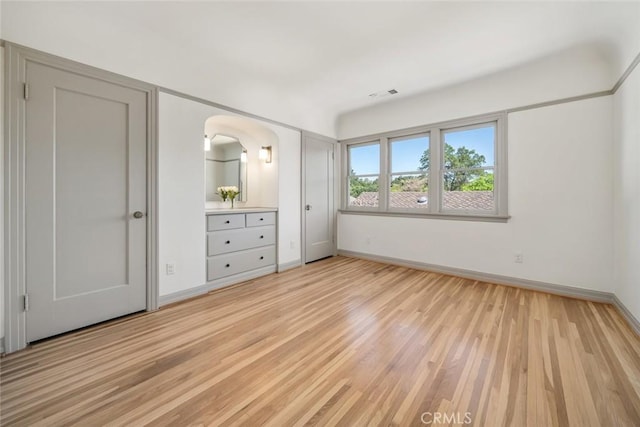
(26, 91)
(25, 302)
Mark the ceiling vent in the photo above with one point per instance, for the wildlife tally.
(383, 93)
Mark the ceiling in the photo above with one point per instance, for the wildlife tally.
(322, 57)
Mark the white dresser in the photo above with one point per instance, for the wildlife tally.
(241, 245)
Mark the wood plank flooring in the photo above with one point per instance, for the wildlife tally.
(339, 342)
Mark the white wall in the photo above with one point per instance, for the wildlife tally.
(109, 35)
(182, 190)
(288, 161)
(560, 180)
(566, 74)
(626, 190)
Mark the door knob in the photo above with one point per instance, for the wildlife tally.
(138, 214)
(308, 207)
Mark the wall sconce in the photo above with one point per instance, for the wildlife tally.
(265, 154)
(207, 143)
(243, 156)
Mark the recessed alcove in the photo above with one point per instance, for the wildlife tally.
(261, 177)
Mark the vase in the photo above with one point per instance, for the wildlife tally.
(231, 203)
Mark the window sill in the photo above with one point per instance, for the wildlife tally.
(448, 216)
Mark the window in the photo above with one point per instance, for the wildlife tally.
(409, 172)
(450, 169)
(364, 175)
(468, 164)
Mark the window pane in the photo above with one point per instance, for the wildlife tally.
(408, 191)
(409, 155)
(468, 190)
(364, 159)
(363, 191)
(469, 148)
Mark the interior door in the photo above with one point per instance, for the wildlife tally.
(319, 203)
(85, 201)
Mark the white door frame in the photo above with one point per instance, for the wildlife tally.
(303, 191)
(16, 59)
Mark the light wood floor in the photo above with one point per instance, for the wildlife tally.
(339, 342)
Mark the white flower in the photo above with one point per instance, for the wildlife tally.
(228, 192)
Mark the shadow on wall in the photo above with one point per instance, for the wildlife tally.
(262, 178)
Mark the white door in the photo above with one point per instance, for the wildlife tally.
(319, 203)
(85, 206)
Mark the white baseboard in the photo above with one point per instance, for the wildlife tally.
(624, 312)
(289, 265)
(567, 291)
(216, 284)
(182, 295)
(208, 287)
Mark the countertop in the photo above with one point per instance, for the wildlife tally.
(221, 211)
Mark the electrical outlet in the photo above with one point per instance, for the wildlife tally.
(367, 240)
(171, 269)
(292, 245)
(518, 257)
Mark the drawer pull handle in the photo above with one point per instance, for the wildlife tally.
(262, 237)
(227, 242)
(227, 222)
(261, 257)
(228, 265)
(261, 219)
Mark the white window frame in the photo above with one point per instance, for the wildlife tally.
(435, 173)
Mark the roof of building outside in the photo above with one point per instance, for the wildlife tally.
(464, 200)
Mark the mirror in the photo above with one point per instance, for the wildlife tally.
(225, 166)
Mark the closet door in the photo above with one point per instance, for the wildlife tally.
(85, 187)
(319, 203)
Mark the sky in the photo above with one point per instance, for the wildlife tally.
(405, 154)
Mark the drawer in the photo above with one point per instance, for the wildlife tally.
(224, 222)
(260, 219)
(228, 264)
(221, 242)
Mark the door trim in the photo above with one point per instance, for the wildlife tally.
(16, 58)
(304, 139)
